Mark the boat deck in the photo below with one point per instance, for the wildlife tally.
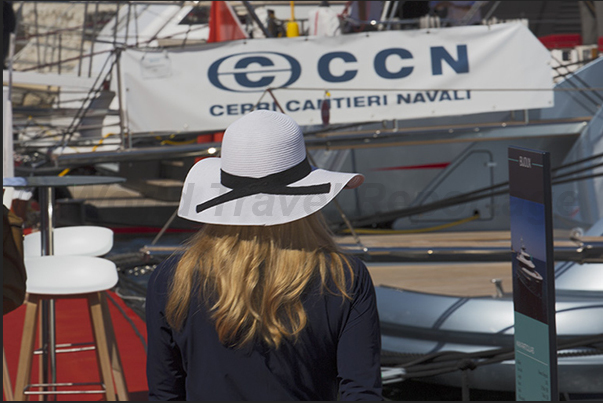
(448, 239)
(456, 279)
(465, 279)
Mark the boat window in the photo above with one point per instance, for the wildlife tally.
(197, 15)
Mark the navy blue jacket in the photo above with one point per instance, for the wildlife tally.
(337, 355)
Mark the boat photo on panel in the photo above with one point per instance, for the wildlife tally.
(529, 259)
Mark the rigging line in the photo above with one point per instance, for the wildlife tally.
(259, 100)
(94, 90)
(366, 231)
(41, 66)
(128, 22)
(427, 359)
(93, 35)
(578, 78)
(552, 170)
(86, 106)
(136, 16)
(562, 268)
(565, 66)
(579, 178)
(186, 36)
(585, 84)
(154, 37)
(49, 33)
(578, 171)
(491, 11)
(561, 345)
(461, 364)
(335, 128)
(49, 134)
(138, 44)
(579, 102)
(506, 183)
(130, 321)
(449, 359)
(575, 89)
(29, 137)
(409, 211)
(592, 157)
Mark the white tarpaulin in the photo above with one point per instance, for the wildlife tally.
(370, 77)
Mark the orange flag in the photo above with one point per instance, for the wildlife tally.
(224, 24)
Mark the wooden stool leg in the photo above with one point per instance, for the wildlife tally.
(7, 386)
(43, 349)
(118, 373)
(100, 339)
(27, 346)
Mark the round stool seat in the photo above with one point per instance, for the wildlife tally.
(64, 275)
(80, 240)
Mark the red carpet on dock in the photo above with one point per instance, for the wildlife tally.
(73, 326)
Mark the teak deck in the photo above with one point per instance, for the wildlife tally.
(457, 279)
(464, 279)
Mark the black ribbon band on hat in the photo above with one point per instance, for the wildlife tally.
(275, 184)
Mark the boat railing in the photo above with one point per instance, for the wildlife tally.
(399, 367)
(586, 250)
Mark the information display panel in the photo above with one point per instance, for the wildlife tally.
(533, 275)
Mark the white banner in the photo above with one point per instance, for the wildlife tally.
(370, 77)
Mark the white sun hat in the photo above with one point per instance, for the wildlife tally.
(262, 178)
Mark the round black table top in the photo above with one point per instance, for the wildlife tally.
(56, 181)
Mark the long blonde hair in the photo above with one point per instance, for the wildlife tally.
(256, 276)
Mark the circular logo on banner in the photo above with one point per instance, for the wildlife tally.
(254, 71)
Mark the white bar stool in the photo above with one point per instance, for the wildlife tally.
(60, 277)
(80, 240)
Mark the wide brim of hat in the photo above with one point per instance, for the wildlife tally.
(203, 184)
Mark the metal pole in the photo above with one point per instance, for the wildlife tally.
(59, 66)
(494, 7)
(115, 26)
(79, 67)
(8, 162)
(165, 227)
(255, 18)
(471, 12)
(37, 33)
(59, 52)
(54, 46)
(136, 24)
(465, 385)
(11, 56)
(127, 24)
(92, 39)
(46, 199)
(122, 128)
(52, 342)
(46, 195)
